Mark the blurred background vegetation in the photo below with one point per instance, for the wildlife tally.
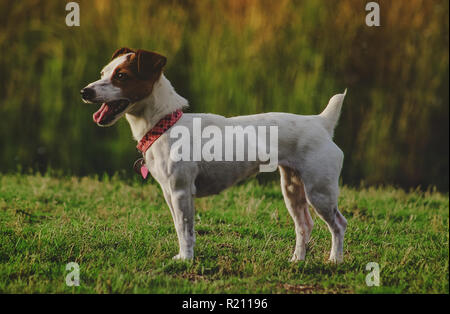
(231, 58)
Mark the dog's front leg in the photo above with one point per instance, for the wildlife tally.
(182, 208)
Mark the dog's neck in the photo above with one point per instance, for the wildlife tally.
(146, 113)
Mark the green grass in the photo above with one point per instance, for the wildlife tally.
(122, 236)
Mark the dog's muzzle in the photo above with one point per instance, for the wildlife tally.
(109, 111)
(87, 93)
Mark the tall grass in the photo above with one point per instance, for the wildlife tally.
(234, 57)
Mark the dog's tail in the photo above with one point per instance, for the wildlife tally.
(330, 115)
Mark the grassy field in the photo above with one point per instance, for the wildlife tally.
(121, 234)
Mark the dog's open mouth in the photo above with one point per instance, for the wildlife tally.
(109, 111)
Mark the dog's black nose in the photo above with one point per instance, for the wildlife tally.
(87, 93)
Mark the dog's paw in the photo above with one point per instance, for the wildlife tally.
(296, 258)
(336, 259)
(181, 257)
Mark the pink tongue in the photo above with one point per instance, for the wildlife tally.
(98, 116)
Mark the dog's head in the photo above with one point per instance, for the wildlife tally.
(126, 80)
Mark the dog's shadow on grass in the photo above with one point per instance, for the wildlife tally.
(30, 217)
(174, 266)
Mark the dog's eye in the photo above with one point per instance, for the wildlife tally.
(121, 76)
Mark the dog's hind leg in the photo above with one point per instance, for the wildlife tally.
(320, 176)
(294, 197)
(327, 209)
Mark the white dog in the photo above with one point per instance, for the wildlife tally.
(133, 84)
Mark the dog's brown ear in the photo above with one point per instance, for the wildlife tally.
(149, 63)
(121, 51)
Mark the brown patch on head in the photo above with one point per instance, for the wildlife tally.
(137, 75)
(121, 51)
(149, 63)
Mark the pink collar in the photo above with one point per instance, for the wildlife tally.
(162, 126)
